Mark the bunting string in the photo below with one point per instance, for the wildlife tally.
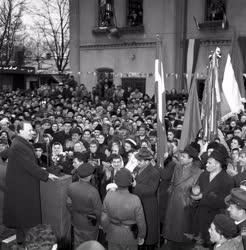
(197, 75)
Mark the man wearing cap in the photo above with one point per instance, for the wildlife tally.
(236, 202)
(178, 215)
(123, 216)
(145, 186)
(215, 184)
(223, 232)
(84, 204)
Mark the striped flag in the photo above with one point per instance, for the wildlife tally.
(161, 105)
(192, 56)
(211, 103)
(232, 80)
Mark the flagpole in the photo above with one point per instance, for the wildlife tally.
(160, 160)
(161, 104)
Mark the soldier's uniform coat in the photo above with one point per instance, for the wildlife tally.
(84, 200)
(120, 209)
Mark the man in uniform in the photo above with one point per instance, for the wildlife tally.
(122, 216)
(84, 204)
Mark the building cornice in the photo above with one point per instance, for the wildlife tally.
(119, 45)
(215, 42)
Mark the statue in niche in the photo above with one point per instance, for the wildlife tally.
(215, 10)
(105, 13)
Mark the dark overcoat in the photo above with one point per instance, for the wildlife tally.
(22, 207)
(146, 189)
(212, 201)
(166, 176)
(179, 209)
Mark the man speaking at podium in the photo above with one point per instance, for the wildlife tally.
(22, 208)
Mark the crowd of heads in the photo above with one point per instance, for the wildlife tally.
(72, 127)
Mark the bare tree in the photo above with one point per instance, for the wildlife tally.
(53, 23)
(35, 51)
(11, 12)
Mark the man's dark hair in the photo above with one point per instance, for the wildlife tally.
(115, 156)
(20, 125)
(80, 156)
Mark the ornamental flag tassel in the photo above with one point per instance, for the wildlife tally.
(211, 99)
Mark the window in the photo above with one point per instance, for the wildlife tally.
(134, 83)
(106, 13)
(135, 13)
(215, 10)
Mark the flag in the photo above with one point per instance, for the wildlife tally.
(211, 103)
(232, 80)
(192, 56)
(161, 105)
(192, 119)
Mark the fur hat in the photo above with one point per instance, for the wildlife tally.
(40, 237)
(218, 156)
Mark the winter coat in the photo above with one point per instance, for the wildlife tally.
(212, 201)
(231, 244)
(120, 210)
(146, 189)
(22, 207)
(179, 208)
(84, 202)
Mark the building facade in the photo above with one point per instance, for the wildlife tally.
(116, 39)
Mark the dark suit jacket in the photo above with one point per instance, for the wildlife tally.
(212, 202)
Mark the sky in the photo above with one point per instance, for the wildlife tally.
(27, 18)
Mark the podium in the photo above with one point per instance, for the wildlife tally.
(53, 206)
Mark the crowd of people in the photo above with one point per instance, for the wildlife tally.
(106, 140)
